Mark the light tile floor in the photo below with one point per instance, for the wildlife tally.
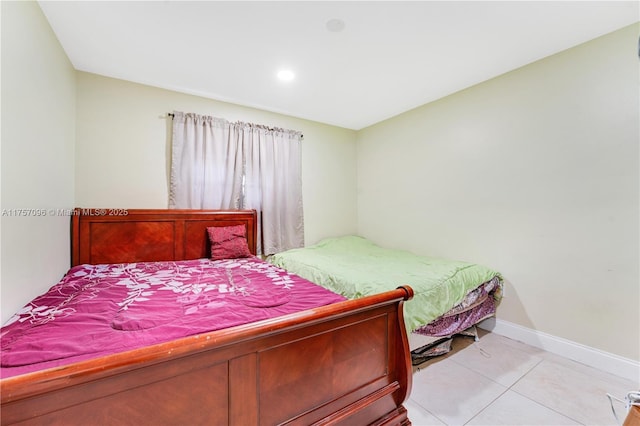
(499, 381)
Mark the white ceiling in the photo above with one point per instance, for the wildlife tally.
(391, 56)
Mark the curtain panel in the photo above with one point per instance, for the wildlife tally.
(216, 164)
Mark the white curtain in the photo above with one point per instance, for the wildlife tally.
(221, 165)
(203, 164)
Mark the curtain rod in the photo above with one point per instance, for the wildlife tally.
(170, 114)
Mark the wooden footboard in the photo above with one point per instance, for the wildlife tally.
(346, 363)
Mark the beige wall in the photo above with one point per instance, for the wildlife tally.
(534, 173)
(122, 151)
(38, 128)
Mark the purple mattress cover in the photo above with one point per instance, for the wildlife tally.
(97, 310)
(477, 305)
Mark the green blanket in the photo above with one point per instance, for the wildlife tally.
(355, 267)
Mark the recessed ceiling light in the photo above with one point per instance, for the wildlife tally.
(335, 25)
(286, 75)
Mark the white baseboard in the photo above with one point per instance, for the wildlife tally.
(605, 361)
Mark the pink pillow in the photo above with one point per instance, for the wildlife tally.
(228, 242)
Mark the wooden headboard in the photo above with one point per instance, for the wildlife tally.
(146, 235)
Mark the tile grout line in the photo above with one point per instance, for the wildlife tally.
(510, 387)
(538, 402)
(486, 406)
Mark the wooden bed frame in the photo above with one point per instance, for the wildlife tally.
(345, 363)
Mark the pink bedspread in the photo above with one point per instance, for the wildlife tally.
(101, 309)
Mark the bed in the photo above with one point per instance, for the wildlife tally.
(450, 296)
(341, 362)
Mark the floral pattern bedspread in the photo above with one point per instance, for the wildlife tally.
(100, 309)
